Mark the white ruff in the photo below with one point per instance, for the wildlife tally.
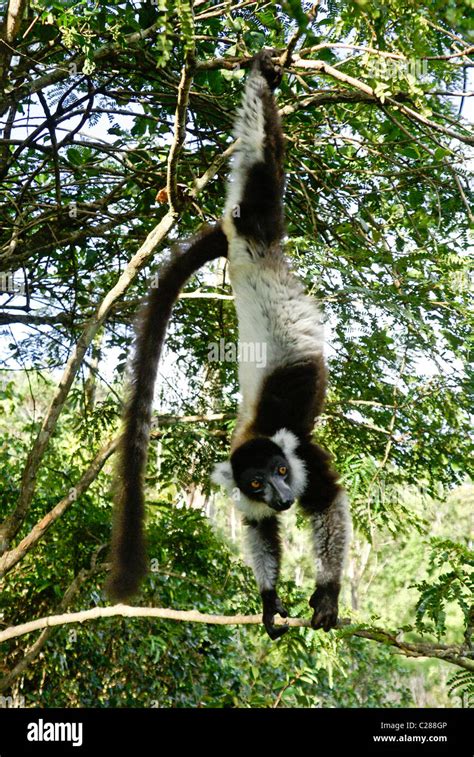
(222, 476)
(253, 510)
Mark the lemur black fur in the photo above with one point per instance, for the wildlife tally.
(128, 546)
(273, 459)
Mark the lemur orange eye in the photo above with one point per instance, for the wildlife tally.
(255, 484)
(282, 470)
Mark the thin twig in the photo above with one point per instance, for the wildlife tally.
(11, 558)
(179, 131)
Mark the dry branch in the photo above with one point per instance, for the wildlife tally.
(452, 653)
(180, 116)
(32, 652)
(11, 558)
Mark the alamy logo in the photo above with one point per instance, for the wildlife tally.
(241, 352)
(8, 285)
(9, 702)
(44, 731)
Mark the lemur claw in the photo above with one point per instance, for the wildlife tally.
(275, 632)
(272, 630)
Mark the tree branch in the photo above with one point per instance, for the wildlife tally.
(68, 319)
(179, 131)
(11, 558)
(381, 53)
(300, 31)
(171, 420)
(335, 97)
(8, 32)
(33, 651)
(325, 68)
(452, 653)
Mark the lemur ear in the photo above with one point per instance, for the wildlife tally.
(286, 440)
(222, 475)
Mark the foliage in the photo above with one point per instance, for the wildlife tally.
(463, 684)
(454, 584)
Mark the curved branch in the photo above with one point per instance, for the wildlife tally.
(382, 53)
(11, 558)
(32, 652)
(453, 653)
(325, 68)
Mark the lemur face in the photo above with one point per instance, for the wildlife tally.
(262, 472)
(268, 484)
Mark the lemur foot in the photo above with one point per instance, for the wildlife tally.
(271, 72)
(324, 603)
(272, 606)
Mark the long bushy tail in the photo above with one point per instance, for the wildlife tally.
(129, 562)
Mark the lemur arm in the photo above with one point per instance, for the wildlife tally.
(128, 545)
(331, 536)
(264, 548)
(325, 502)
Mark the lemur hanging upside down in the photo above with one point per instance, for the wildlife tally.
(273, 460)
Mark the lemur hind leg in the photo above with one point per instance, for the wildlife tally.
(254, 207)
(325, 502)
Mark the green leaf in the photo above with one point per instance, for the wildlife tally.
(74, 156)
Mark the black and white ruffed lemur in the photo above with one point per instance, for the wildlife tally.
(273, 460)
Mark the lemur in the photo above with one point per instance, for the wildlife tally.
(273, 459)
